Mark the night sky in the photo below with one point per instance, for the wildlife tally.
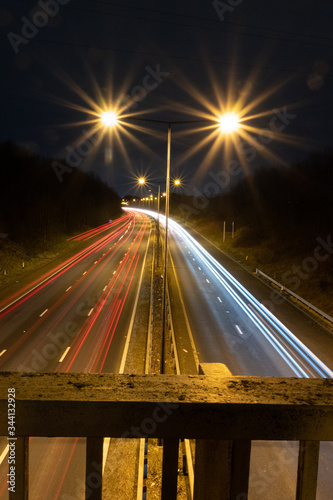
(63, 60)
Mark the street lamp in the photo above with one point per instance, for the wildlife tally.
(109, 118)
(142, 181)
(228, 123)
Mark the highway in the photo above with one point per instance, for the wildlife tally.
(229, 325)
(75, 318)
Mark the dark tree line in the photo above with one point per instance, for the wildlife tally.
(284, 201)
(292, 201)
(35, 206)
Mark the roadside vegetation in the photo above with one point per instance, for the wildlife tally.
(38, 213)
(281, 216)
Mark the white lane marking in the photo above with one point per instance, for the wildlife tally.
(239, 330)
(3, 352)
(219, 299)
(91, 310)
(207, 280)
(4, 453)
(69, 288)
(199, 268)
(105, 288)
(65, 353)
(106, 442)
(43, 313)
(85, 272)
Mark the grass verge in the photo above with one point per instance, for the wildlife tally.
(292, 261)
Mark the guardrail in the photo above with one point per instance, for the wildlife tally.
(223, 414)
(300, 299)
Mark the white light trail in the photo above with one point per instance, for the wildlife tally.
(253, 308)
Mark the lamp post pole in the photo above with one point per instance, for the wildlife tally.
(137, 119)
(165, 267)
(158, 224)
(167, 199)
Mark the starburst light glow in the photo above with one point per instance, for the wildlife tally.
(229, 122)
(109, 118)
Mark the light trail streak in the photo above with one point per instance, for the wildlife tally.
(115, 308)
(118, 316)
(71, 292)
(25, 293)
(62, 453)
(237, 291)
(105, 227)
(69, 442)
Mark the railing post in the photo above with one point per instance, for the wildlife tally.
(307, 473)
(94, 468)
(212, 470)
(21, 470)
(170, 469)
(240, 469)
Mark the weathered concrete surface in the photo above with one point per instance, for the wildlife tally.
(214, 369)
(207, 407)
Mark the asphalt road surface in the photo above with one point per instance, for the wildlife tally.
(75, 318)
(231, 326)
(78, 317)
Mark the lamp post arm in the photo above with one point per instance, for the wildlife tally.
(165, 122)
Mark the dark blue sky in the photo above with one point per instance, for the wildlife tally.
(53, 49)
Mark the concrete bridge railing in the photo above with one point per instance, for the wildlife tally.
(224, 414)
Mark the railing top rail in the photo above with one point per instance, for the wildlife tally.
(202, 406)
